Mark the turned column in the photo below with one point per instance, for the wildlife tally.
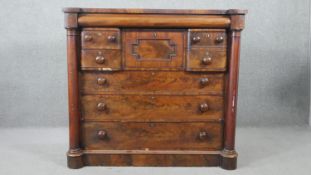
(234, 33)
(73, 43)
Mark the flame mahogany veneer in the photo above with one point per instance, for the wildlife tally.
(152, 87)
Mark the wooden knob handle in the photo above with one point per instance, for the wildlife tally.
(112, 38)
(219, 39)
(203, 135)
(204, 81)
(102, 81)
(102, 106)
(88, 38)
(203, 107)
(206, 60)
(100, 59)
(102, 134)
(196, 39)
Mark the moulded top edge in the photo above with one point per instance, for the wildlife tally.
(157, 11)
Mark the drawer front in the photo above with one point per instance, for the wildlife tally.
(153, 49)
(207, 59)
(151, 108)
(101, 59)
(152, 136)
(101, 38)
(207, 38)
(152, 82)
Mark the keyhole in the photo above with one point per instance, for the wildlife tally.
(154, 35)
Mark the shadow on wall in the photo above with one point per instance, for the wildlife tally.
(292, 96)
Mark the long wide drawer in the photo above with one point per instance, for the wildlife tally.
(152, 136)
(151, 108)
(140, 82)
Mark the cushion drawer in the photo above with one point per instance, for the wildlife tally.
(207, 38)
(101, 59)
(101, 38)
(151, 108)
(154, 48)
(158, 82)
(152, 136)
(206, 59)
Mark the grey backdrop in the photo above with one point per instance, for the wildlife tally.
(274, 69)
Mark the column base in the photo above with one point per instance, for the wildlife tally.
(75, 159)
(228, 159)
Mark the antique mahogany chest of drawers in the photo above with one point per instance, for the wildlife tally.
(152, 87)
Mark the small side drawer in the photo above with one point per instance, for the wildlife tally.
(108, 60)
(96, 38)
(206, 59)
(151, 136)
(207, 38)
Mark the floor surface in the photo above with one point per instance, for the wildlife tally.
(275, 151)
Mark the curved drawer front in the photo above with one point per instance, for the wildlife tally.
(151, 108)
(152, 82)
(152, 136)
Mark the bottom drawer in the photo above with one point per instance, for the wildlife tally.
(152, 136)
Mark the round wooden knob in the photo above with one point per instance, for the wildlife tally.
(203, 107)
(204, 81)
(100, 59)
(219, 39)
(101, 106)
(206, 60)
(102, 134)
(102, 81)
(203, 135)
(196, 39)
(88, 38)
(112, 38)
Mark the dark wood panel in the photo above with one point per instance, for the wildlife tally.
(151, 108)
(101, 60)
(152, 136)
(101, 38)
(206, 59)
(153, 48)
(151, 82)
